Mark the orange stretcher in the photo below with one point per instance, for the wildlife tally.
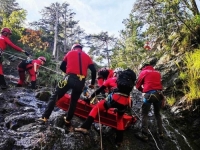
(107, 118)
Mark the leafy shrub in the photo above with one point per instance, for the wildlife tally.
(171, 100)
(192, 64)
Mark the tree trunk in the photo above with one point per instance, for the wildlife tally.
(55, 35)
(65, 37)
(107, 53)
(194, 5)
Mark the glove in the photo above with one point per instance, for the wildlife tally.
(91, 86)
(36, 72)
(26, 53)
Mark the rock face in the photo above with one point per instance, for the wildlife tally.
(184, 115)
(20, 109)
(20, 129)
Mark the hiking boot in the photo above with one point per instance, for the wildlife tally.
(82, 130)
(161, 135)
(67, 123)
(117, 145)
(33, 85)
(43, 119)
(3, 84)
(4, 87)
(142, 136)
(18, 85)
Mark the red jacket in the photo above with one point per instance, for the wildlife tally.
(72, 60)
(111, 73)
(4, 41)
(110, 83)
(38, 62)
(149, 79)
(100, 81)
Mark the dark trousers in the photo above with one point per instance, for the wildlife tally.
(145, 110)
(73, 83)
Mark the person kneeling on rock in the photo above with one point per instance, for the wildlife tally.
(30, 66)
(118, 99)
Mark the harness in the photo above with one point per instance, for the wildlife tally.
(153, 96)
(80, 68)
(63, 83)
(110, 102)
(122, 94)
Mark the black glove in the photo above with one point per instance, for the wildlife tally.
(27, 54)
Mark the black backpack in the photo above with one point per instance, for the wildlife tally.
(126, 81)
(103, 73)
(24, 63)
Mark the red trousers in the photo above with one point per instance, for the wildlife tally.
(1, 69)
(100, 107)
(31, 72)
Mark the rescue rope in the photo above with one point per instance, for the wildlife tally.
(100, 129)
(148, 130)
(21, 58)
(38, 65)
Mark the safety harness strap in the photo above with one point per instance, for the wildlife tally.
(80, 64)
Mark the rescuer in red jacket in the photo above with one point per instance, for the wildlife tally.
(118, 99)
(104, 74)
(110, 83)
(30, 66)
(75, 64)
(4, 41)
(149, 82)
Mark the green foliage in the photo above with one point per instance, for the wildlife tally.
(171, 100)
(48, 75)
(193, 74)
(15, 22)
(197, 19)
(183, 75)
(101, 46)
(44, 54)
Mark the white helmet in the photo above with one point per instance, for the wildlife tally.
(76, 46)
(117, 70)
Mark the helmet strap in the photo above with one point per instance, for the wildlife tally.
(4, 33)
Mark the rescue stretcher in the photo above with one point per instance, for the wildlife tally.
(107, 118)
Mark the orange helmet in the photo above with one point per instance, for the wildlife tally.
(42, 58)
(7, 30)
(76, 46)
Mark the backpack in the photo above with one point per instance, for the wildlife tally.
(126, 81)
(103, 73)
(24, 63)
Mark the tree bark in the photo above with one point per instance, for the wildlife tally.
(55, 35)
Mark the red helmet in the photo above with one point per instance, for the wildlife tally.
(42, 58)
(76, 45)
(6, 30)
